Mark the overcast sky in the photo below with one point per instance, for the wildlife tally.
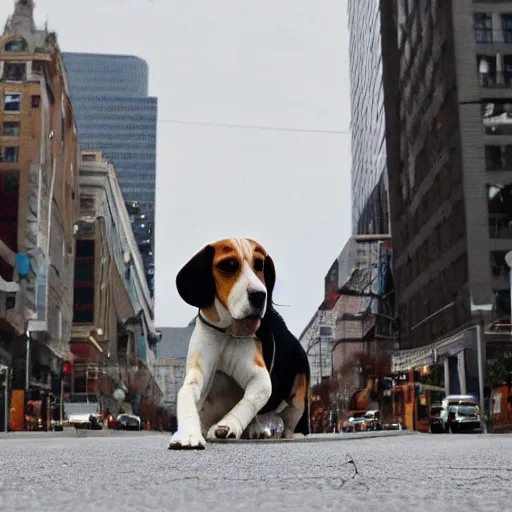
(270, 63)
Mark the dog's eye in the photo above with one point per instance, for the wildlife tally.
(228, 266)
(258, 265)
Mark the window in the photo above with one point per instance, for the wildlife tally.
(499, 207)
(506, 21)
(498, 158)
(83, 307)
(14, 71)
(325, 331)
(11, 129)
(15, 46)
(501, 302)
(483, 27)
(86, 203)
(85, 248)
(12, 102)
(84, 274)
(36, 100)
(89, 157)
(38, 68)
(498, 264)
(496, 117)
(9, 154)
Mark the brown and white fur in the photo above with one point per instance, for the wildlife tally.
(227, 380)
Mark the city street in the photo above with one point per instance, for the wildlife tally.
(135, 471)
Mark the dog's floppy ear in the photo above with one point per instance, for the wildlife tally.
(269, 274)
(195, 281)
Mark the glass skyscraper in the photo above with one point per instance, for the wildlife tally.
(370, 212)
(115, 115)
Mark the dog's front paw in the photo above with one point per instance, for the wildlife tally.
(182, 440)
(228, 428)
(265, 426)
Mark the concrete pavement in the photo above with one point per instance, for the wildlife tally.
(124, 471)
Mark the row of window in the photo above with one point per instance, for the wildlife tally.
(123, 100)
(12, 102)
(128, 133)
(487, 32)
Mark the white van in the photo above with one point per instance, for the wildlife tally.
(460, 413)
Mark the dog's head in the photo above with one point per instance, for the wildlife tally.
(231, 281)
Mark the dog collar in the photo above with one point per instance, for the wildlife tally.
(205, 322)
(223, 331)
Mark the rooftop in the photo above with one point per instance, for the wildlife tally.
(174, 342)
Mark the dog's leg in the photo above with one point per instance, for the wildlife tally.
(296, 406)
(246, 365)
(201, 366)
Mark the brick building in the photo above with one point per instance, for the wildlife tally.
(39, 201)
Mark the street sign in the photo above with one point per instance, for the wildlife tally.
(22, 264)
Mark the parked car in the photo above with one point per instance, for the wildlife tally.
(83, 415)
(355, 422)
(126, 421)
(372, 420)
(463, 418)
(460, 413)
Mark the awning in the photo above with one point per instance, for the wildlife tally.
(405, 360)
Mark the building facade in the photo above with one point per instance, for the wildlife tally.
(450, 186)
(113, 339)
(39, 203)
(116, 116)
(370, 210)
(170, 365)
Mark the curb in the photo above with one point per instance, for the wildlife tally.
(81, 434)
(316, 438)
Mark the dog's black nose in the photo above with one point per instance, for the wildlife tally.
(257, 299)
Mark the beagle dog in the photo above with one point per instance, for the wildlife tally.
(245, 370)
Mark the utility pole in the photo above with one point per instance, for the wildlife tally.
(481, 367)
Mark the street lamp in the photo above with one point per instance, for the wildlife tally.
(508, 260)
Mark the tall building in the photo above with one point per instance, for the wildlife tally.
(450, 183)
(113, 339)
(114, 115)
(370, 212)
(39, 191)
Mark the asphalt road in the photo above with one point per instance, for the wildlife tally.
(125, 472)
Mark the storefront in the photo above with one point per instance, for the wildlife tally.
(457, 354)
